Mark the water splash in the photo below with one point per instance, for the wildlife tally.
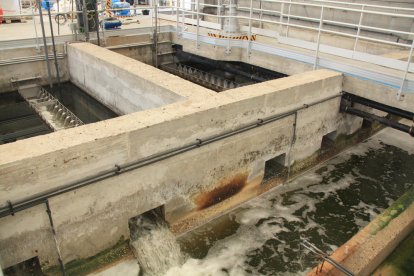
(154, 245)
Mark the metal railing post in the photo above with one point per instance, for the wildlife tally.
(361, 17)
(177, 10)
(282, 7)
(183, 17)
(288, 18)
(249, 39)
(198, 25)
(401, 90)
(315, 65)
(219, 12)
(261, 14)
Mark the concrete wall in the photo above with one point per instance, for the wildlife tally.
(95, 217)
(21, 70)
(117, 81)
(352, 84)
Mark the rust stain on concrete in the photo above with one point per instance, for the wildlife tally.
(225, 190)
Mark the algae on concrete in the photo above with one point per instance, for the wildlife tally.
(401, 260)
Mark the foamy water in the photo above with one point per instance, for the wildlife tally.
(326, 206)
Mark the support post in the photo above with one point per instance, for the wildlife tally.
(315, 65)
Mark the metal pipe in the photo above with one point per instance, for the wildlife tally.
(97, 23)
(19, 205)
(315, 65)
(52, 226)
(49, 73)
(384, 121)
(85, 20)
(392, 110)
(53, 46)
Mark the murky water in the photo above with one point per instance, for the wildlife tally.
(326, 206)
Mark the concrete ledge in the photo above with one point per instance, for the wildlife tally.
(365, 251)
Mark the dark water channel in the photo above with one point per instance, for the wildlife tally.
(19, 121)
(326, 206)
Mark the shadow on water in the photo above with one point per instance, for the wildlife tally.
(327, 207)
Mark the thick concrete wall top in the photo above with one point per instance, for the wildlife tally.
(120, 82)
(45, 162)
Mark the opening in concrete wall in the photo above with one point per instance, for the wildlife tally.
(275, 168)
(153, 244)
(328, 141)
(28, 267)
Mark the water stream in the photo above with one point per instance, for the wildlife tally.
(325, 206)
(154, 245)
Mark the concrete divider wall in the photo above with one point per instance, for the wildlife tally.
(93, 218)
(116, 80)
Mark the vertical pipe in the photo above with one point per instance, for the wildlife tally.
(58, 10)
(52, 226)
(49, 74)
(359, 30)
(319, 39)
(401, 90)
(198, 24)
(85, 20)
(292, 143)
(97, 22)
(53, 45)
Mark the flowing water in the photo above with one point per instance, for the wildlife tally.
(155, 247)
(326, 206)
